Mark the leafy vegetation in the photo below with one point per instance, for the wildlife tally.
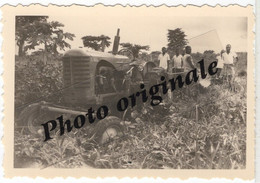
(134, 48)
(98, 43)
(176, 40)
(36, 80)
(172, 138)
(32, 31)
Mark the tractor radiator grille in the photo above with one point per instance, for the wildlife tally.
(76, 77)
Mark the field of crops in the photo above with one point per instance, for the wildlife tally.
(178, 137)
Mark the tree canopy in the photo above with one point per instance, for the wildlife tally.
(98, 43)
(134, 48)
(32, 31)
(176, 39)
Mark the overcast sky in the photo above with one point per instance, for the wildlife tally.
(151, 30)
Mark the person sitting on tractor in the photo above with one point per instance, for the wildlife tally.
(106, 81)
(101, 79)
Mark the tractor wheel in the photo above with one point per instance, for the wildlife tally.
(32, 117)
(108, 129)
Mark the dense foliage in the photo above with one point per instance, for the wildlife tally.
(24, 25)
(174, 138)
(134, 48)
(36, 80)
(32, 31)
(98, 43)
(176, 40)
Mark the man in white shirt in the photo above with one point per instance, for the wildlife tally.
(177, 61)
(188, 60)
(164, 59)
(228, 58)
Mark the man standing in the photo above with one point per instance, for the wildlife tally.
(188, 66)
(228, 58)
(177, 61)
(164, 59)
(187, 60)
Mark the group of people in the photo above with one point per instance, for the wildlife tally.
(184, 62)
(179, 62)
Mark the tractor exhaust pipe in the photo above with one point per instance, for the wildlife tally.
(116, 43)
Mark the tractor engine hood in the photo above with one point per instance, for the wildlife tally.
(119, 61)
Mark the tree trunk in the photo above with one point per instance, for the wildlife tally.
(21, 51)
(45, 52)
(103, 45)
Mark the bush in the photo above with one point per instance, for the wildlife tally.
(36, 80)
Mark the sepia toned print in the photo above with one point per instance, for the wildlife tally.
(166, 93)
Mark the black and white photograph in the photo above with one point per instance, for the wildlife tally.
(131, 90)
